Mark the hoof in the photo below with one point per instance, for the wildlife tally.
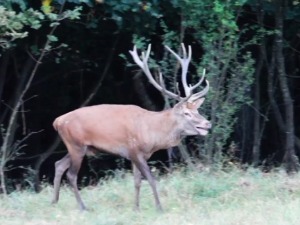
(160, 209)
(53, 202)
(83, 209)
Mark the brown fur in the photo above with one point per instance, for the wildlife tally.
(125, 130)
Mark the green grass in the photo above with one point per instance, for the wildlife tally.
(188, 197)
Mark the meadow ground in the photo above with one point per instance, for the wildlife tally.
(188, 197)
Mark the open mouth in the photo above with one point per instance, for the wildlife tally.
(202, 128)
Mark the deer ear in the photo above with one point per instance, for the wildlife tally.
(198, 102)
(178, 107)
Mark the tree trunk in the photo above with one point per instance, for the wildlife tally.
(290, 159)
(3, 71)
(257, 122)
(256, 127)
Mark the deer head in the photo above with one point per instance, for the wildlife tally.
(189, 119)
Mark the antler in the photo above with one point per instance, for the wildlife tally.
(184, 62)
(142, 62)
(202, 93)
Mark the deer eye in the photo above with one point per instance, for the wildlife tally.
(187, 114)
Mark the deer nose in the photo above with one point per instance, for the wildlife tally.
(208, 124)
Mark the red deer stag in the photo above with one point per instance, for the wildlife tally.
(130, 131)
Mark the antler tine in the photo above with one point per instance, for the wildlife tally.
(199, 94)
(135, 56)
(175, 54)
(145, 57)
(184, 62)
(183, 50)
(143, 64)
(199, 82)
(162, 83)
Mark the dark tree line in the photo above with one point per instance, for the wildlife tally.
(60, 55)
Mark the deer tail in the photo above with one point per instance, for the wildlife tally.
(56, 123)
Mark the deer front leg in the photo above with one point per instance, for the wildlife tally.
(143, 167)
(137, 185)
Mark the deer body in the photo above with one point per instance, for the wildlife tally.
(129, 131)
(101, 127)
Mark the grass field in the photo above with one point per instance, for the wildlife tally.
(188, 197)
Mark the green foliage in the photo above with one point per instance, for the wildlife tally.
(230, 67)
(13, 24)
(130, 14)
(72, 14)
(88, 2)
(52, 38)
(10, 3)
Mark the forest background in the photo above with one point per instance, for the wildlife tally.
(59, 55)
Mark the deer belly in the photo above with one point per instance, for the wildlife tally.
(123, 152)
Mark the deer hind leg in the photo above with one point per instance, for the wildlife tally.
(60, 167)
(137, 185)
(142, 165)
(76, 160)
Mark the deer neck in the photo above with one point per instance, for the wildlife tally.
(168, 134)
